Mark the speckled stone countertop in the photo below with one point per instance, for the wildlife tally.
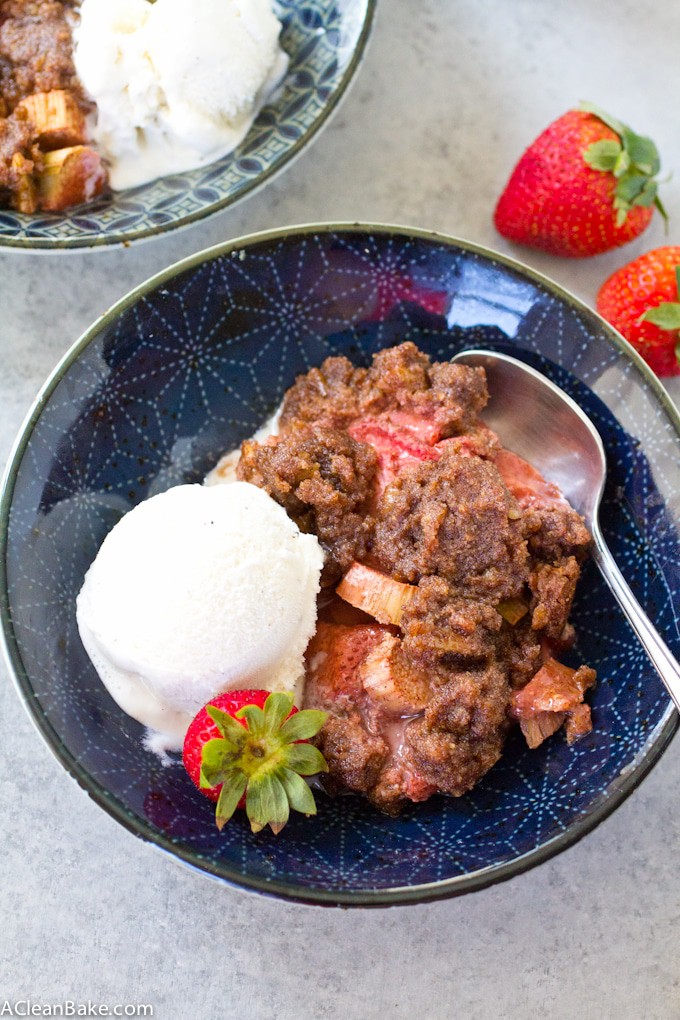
(449, 94)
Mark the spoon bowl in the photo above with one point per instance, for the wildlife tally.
(537, 420)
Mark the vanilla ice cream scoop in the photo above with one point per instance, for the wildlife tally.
(196, 591)
(176, 84)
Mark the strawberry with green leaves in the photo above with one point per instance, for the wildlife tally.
(642, 301)
(249, 749)
(586, 185)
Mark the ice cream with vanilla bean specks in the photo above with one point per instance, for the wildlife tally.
(177, 85)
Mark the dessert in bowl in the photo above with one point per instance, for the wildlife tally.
(193, 363)
(183, 112)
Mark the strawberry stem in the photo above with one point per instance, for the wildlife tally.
(633, 160)
(262, 753)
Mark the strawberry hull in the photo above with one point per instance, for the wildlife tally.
(203, 729)
(243, 750)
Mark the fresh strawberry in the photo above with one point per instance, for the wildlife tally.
(642, 301)
(249, 749)
(587, 184)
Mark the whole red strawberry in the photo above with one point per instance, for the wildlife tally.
(586, 185)
(642, 301)
(248, 749)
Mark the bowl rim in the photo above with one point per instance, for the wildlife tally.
(104, 242)
(621, 787)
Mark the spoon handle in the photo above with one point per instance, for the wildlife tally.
(658, 651)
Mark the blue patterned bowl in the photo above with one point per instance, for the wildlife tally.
(194, 361)
(325, 41)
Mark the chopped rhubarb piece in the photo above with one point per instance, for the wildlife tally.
(333, 609)
(526, 484)
(578, 722)
(392, 687)
(377, 673)
(556, 691)
(555, 688)
(68, 177)
(539, 727)
(56, 119)
(24, 197)
(512, 610)
(375, 593)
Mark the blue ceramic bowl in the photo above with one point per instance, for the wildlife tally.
(325, 41)
(192, 362)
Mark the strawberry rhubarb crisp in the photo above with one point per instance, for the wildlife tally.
(46, 162)
(450, 569)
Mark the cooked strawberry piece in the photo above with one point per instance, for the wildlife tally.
(388, 439)
(415, 787)
(333, 658)
(526, 484)
(424, 429)
(375, 593)
(401, 779)
(396, 447)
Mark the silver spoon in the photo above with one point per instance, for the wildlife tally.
(538, 421)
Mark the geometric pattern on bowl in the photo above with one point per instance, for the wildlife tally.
(192, 363)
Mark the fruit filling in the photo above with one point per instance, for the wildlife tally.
(450, 569)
